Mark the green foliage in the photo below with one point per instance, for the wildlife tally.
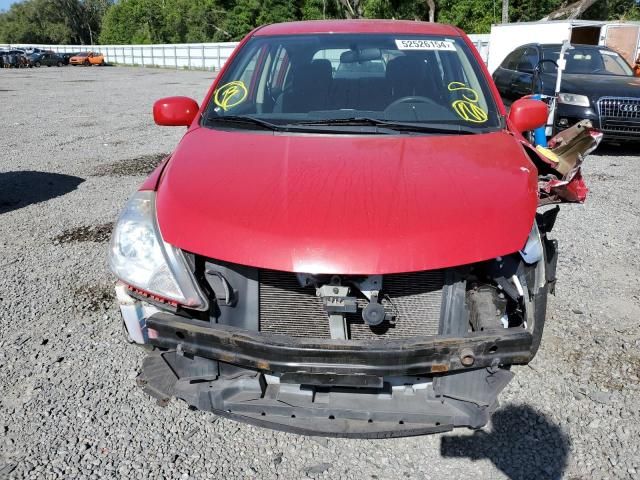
(398, 9)
(319, 9)
(52, 21)
(176, 21)
(614, 10)
(134, 21)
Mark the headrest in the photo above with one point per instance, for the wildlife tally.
(318, 71)
(406, 66)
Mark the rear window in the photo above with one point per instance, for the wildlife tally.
(425, 79)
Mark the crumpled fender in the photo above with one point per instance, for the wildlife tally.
(560, 165)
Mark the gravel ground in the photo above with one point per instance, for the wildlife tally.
(76, 142)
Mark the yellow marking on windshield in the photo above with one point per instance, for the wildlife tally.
(467, 108)
(230, 94)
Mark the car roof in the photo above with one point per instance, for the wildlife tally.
(581, 45)
(358, 26)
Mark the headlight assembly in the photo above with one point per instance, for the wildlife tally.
(142, 259)
(573, 99)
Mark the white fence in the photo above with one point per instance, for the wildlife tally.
(481, 41)
(204, 56)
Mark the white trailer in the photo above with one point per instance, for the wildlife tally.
(624, 37)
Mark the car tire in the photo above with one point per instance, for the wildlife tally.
(59, 64)
(37, 64)
(86, 63)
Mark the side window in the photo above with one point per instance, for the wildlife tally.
(248, 71)
(611, 65)
(529, 59)
(248, 93)
(279, 69)
(512, 60)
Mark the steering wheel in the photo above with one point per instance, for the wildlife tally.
(409, 99)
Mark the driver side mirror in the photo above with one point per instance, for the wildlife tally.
(175, 111)
(527, 114)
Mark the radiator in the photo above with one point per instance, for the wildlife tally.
(414, 299)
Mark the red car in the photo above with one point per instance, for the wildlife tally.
(346, 240)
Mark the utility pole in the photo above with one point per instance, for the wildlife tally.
(505, 11)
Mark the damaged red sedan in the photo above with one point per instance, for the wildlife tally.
(346, 240)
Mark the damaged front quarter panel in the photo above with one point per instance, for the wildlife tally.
(560, 165)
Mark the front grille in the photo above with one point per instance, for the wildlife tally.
(620, 115)
(414, 299)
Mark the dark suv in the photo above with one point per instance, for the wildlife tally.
(597, 84)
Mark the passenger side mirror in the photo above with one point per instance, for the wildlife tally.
(527, 114)
(175, 111)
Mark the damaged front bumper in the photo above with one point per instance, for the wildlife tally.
(278, 353)
(260, 357)
(387, 388)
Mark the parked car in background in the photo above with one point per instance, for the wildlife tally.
(597, 84)
(350, 251)
(15, 51)
(87, 58)
(65, 56)
(14, 58)
(32, 50)
(45, 58)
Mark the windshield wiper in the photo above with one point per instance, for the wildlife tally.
(393, 125)
(243, 119)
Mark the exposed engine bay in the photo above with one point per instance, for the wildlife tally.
(351, 339)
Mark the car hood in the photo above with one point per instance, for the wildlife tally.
(596, 86)
(347, 204)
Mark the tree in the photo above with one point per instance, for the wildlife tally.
(613, 10)
(53, 21)
(571, 11)
(169, 21)
(473, 16)
(352, 8)
(431, 6)
(134, 21)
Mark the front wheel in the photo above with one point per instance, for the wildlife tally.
(86, 63)
(59, 64)
(37, 64)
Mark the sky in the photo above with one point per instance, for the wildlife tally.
(5, 4)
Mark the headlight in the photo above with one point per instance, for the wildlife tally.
(573, 99)
(141, 258)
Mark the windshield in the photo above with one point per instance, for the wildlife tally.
(592, 61)
(83, 54)
(293, 80)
